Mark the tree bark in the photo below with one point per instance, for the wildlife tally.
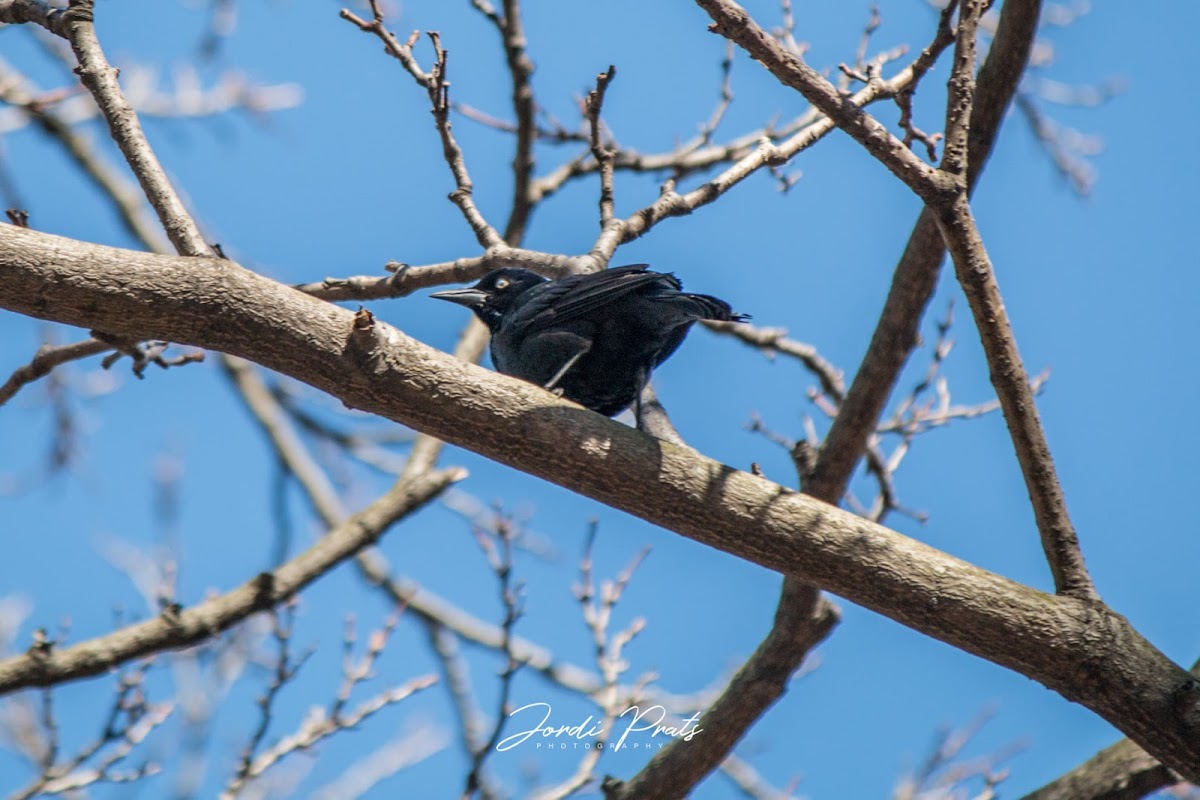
(1076, 647)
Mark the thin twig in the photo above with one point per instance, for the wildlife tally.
(597, 605)
(943, 38)
(602, 153)
(500, 559)
(282, 626)
(319, 726)
(47, 358)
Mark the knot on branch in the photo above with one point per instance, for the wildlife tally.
(42, 645)
(364, 321)
(264, 590)
(1187, 703)
(80, 11)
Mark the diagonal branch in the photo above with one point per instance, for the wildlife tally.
(437, 86)
(1123, 771)
(100, 78)
(177, 629)
(520, 70)
(895, 336)
(734, 23)
(1084, 651)
(36, 11)
(602, 153)
(47, 358)
(961, 87)
(1013, 390)
(127, 200)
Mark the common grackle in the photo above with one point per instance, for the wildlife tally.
(590, 338)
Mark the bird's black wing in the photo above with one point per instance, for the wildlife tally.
(579, 295)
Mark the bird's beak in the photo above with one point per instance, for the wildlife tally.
(469, 297)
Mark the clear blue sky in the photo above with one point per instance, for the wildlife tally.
(1100, 290)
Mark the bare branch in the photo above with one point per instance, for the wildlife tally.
(405, 750)
(756, 686)
(774, 340)
(520, 70)
(125, 196)
(709, 128)
(1123, 771)
(101, 80)
(401, 51)
(130, 719)
(438, 88)
(1068, 152)
(943, 38)
(377, 369)
(182, 628)
(47, 358)
(602, 154)
(501, 561)
(439, 95)
(39, 13)
(961, 94)
(734, 23)
(765, 154)
(282, 626)
(750, 153)
(894, 338)
(457, 680)
(406, 279)
(597, 608)
(1012, 384)
(319, 726)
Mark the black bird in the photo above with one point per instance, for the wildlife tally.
(590, 338)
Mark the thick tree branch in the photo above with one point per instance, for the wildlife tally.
(895, 337)
(35, 11)
(1081, 650)
(176, 629)
(916, 275)
(760, 682)
(1121, 772)
(1010, 379)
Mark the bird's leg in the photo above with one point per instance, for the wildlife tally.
(651, 417)
(552, 384)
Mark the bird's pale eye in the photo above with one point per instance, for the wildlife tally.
(502, 283)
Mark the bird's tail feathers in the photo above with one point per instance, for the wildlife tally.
(706, 306)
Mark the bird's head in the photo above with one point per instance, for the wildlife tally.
(494, 294)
